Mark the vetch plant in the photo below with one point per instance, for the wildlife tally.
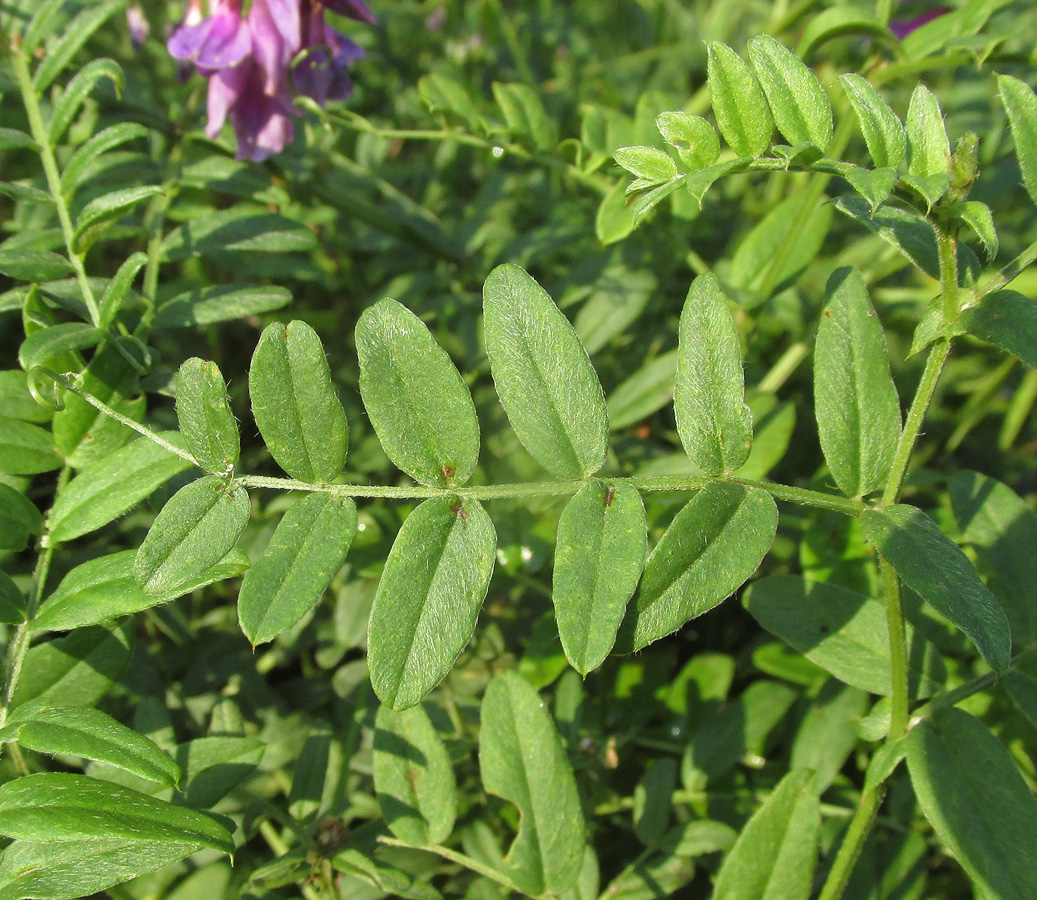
(483, 596)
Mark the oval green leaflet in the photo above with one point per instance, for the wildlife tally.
(844, 632)
(522, 761)
(206, 422)
(714, 423)
(797, 100)
(193, 532)
(112, 486)
(543, 375)
(413, 777)
(307, 549)
(417, 401)
(294, 403)
(936, 569)
(92, 734)
(855, 400)
(776, 852)
(428, 598)
(970, 790)
(59, 807)
(711, 548)
(600, 551)
(743, 117)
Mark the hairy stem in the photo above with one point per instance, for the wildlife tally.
(931, 375)
(1010, 272)
(19, 644)
(143, 430)
(800, 496)
(853, 843)
(50, 168)
(897, 652)
(446, 853)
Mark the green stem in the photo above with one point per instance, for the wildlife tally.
(1010, 272)
(852, 844)
(800, 496)
(780, 372)
(446, 853)
(50, 168)
(883, 11)
(511, 39)
(811, 196)
(948, 245)
(915, 416)
(933, 368)
(897, 653)
(357, 123)
(143, 430)
(862, 822)
(964, 691)
(19, 645)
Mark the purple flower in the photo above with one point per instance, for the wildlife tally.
(902, 28)
(263, 123)
(215, 42)
(322, 73)
(138, 25)
(257, 65)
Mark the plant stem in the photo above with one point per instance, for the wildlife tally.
(1010, 272)
(599, 184)
(50, 168)
(948, 246)
(964, 691)
(811, 196)
(931, 375)
(459, 858)
(69, 385)
(897, 652)
(800, 496)
(852, 844)
(19, 645)
(915, 416)
(787, 363)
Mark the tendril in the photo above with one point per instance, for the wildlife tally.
(141, 364)
(46, 388)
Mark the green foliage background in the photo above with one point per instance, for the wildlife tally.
(482, 133)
